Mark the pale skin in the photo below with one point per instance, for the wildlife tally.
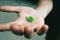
(21, 24)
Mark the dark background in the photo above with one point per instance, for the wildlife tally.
(53, 20)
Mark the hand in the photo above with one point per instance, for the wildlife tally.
(21, 24)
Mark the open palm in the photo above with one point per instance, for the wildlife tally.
(21, 24)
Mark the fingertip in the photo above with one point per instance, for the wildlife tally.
(45, 27)
(15, 27)
(43, 30)
(28, 32)
(2, 28)
(38, 29)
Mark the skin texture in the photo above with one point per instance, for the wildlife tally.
(21, 25)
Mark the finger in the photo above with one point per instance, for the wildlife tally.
(5, 26)
(2, 27)
(45, 27)
(38, 29)
(28, 31)
(17, 29)
(9, 8)
(43, 30)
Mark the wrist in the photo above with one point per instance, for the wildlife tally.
(44, 7)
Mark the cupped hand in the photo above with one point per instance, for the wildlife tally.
(24, 24)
